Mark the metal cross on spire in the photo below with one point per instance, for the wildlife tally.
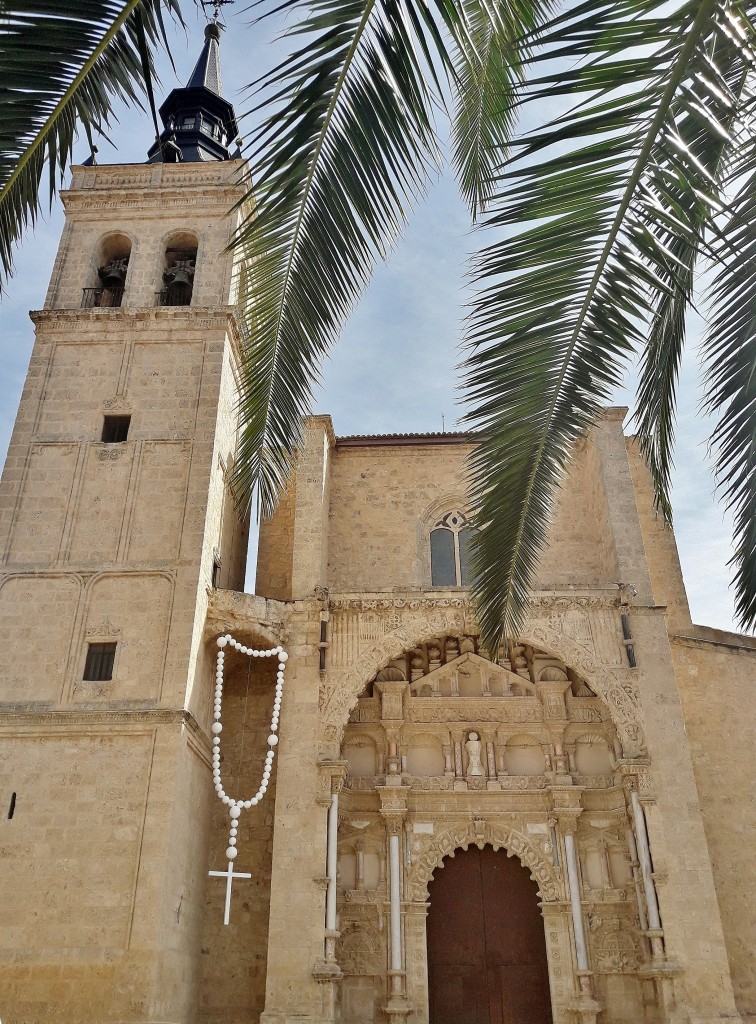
(216, 5)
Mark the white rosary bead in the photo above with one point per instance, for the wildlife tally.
(235, 806)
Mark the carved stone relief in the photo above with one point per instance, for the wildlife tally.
(367, 646)
(446, 841)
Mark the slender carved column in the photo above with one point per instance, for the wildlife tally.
(327, 971)
(331, 863)
(360, 850)
(568, 810)
(490, 757)
(394, 810)
(638, 885)
(581, 950)
(395, 891)
(655, 932)
(458, 766)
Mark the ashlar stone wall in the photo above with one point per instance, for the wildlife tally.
(105, 876)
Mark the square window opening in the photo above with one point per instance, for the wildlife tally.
(115, 429)
(99, 664)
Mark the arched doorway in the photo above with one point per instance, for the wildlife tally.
(486, 944)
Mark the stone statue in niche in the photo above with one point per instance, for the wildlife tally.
(473, 748)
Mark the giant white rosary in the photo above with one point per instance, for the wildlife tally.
(235, 805)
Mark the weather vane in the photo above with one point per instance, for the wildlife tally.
(216, 5)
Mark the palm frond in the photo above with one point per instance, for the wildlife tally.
(61, 68)
(730, 376)
(670, 205)
(565, 300)
(487, 71)
(346, 147)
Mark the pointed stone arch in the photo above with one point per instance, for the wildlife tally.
(482, 833)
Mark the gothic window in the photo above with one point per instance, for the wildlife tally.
(450, 549)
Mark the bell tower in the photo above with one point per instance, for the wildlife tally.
(116, 521)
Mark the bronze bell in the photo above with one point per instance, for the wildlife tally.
(113, 274)
(180, 274)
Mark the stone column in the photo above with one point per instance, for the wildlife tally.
(644, 859)
(394, 810)
(326, 971)
(416, 958)
(568, 810)
(637, 880)
(581, 949)
(448, 749)
(331, 863)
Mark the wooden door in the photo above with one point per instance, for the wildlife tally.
(486, 945)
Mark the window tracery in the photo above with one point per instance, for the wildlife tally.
(450, 548)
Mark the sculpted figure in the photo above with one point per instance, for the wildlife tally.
(473, 746)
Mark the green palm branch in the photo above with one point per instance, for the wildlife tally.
(599, 219)
(346, 146)
(622, 193)
(62, 65)
(593, 225)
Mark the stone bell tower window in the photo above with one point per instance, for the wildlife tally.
(112, 264)
(178, 271)
(450, 542)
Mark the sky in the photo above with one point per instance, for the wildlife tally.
(394, 367)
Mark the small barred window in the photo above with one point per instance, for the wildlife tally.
(99, 663)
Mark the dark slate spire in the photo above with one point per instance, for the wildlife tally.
(207, 73)
(199, 123)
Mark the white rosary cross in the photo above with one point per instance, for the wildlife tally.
(229, 875)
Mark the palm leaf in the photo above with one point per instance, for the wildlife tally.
(706, 127)
(563, 302)
(346, 147)
(61, 67)
(488, 70)
(730, 373)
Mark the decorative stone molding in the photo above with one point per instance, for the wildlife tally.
(361, 948)
(482, 832)
(104, 630)
(616, 944)
(111, 453)
(418, 619)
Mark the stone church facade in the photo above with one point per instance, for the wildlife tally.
(599, 769)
